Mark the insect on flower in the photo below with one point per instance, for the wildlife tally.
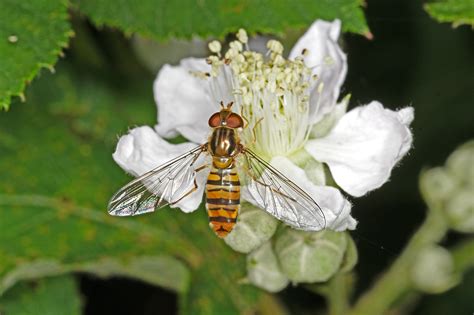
(228, 162)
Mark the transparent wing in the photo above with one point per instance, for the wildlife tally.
(278, 195)
(166, 184)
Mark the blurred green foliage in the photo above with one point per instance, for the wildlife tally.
(183, 19)
(457, 12)
(54, 296)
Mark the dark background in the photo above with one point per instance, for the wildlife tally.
(412, 60)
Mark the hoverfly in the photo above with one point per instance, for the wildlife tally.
(228, 161)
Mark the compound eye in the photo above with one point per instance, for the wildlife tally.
(234, 121)
(215, 120)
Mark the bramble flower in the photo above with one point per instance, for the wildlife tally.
(294, 121)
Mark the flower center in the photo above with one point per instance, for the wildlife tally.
(271, 93)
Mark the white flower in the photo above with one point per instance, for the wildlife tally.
(294, 119)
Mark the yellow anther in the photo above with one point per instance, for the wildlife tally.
(215, 46)
(279, 60)
(212, 60)
(240, 58)
(242, 36)
(275, 46)
(236, 45)
(231, 53)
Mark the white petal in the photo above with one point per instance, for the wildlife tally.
(142, 150)
(327, 61)
(335, 207)
(184, 104)
(364, 146)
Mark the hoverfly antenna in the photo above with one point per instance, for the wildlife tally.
(230, 105)
(222, 104)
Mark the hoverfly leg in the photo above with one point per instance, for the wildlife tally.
(254, 133)
(254, 128)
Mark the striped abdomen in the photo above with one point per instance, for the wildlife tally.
(223, 199)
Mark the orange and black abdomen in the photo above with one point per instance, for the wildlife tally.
(223, 199)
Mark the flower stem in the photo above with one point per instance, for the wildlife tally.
(336, 292)
(463, 255)
(396, 282)
(337, 296)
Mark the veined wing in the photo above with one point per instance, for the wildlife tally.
(278, 195)
(166, 184)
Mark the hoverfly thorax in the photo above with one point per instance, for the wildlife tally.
(224, 141)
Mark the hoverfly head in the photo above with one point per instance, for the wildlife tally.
(225, 117)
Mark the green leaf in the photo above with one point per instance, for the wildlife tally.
(32, 35)
(53, 296)
(457, 12)
(183, 19)
(57, 177)
(164, 271)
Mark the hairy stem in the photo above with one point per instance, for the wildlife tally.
(395, 282)
(337, 296)
(463, 255)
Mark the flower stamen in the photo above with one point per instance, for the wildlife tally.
(269, 86)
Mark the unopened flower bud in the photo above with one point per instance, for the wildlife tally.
(437, 185)
(310, 256)
(450, 188)
(254, 227)
(460, 211)
(461, 164)
(433, 270)
(263, 270)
